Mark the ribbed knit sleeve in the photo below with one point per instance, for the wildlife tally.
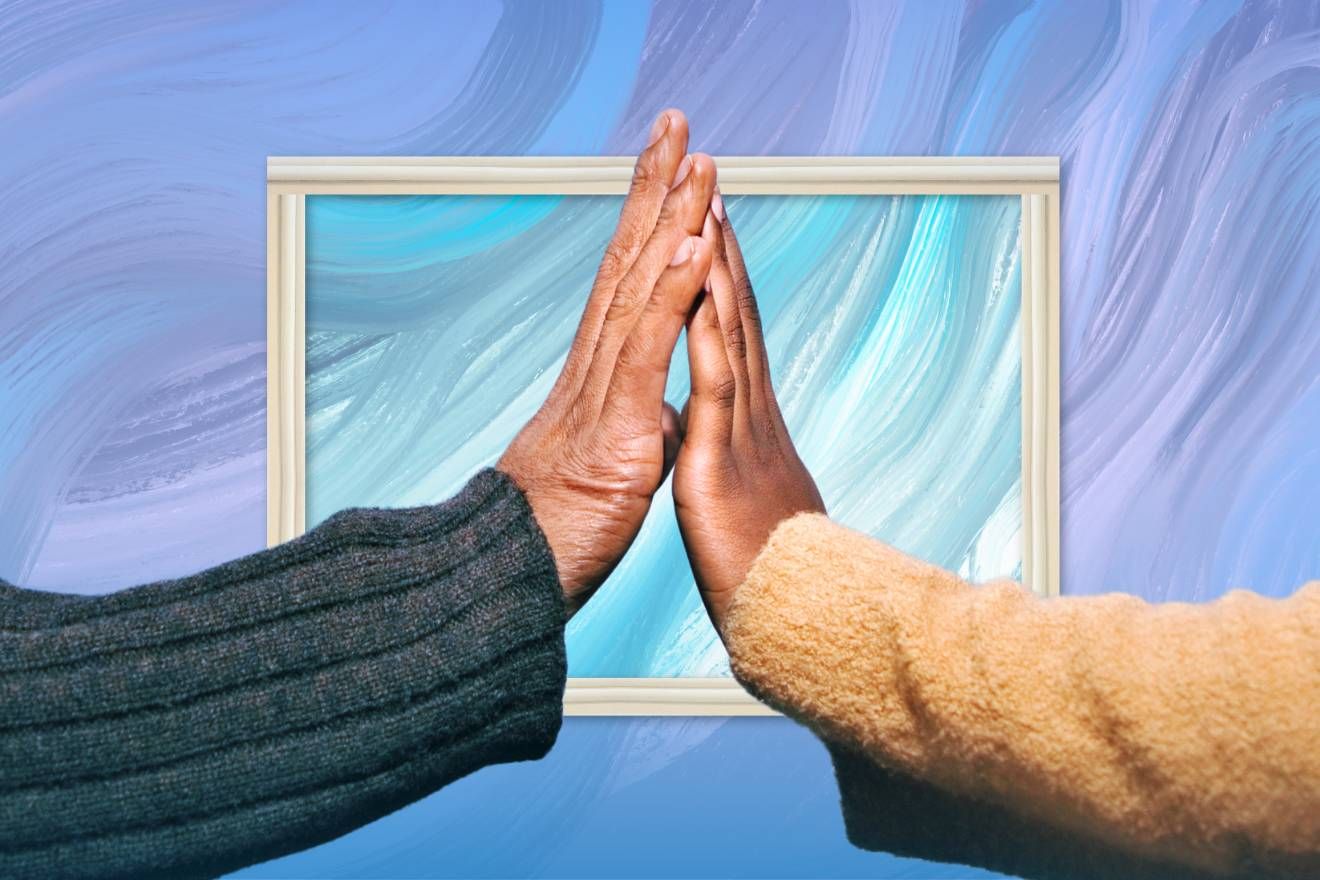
(194, 726)
(1088, 737)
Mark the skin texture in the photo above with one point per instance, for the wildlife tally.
(738, 474)
(594, 454)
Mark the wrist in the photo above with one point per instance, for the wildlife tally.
(540, 509)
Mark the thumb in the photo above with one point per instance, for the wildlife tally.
(709, 413)
(671, 426)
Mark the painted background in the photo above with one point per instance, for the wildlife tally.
(436, 326)
(132, 145)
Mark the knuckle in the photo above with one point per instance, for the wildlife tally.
(644, 177)
(746, 296)
(626, 298)
(632, 356)
(611, 262)
(735, 340)
(723, 392)
(572, 423)
(616, 259)
(671, 209)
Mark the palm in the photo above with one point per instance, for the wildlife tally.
(738, 475)
(701, 484)
(593, 456)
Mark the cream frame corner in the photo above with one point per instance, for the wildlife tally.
(1035, 179)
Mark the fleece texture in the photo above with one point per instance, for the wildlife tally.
(1063, 738)
(190, 727)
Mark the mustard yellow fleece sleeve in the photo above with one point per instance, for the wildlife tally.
(1078, 737)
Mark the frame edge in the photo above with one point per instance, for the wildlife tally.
(661, 697)
(286, 365)
(1035, 179)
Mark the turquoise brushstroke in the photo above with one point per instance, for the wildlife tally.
(436, 325)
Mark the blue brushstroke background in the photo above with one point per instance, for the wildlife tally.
(133, 138)
(436, 325)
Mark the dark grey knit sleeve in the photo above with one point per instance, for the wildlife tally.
(193, 726)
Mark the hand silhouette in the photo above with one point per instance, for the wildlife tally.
(592, 457)
(738, 474)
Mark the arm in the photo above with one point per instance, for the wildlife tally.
(1182, 735)
(1069, 739)
(193, 726)
(198, 725)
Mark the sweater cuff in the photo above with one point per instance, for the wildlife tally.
(781, 630)
(194, 726)
(767, 629)
(518, 600)
(815, 629)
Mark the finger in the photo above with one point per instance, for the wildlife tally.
(681, 217)
(733, 332)
(708, 415)
(764, 400)
(671, 429)
(652, 179)
(636, 388)
(710, 404)
(730, 255)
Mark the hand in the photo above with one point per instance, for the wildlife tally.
(738, 474)
(594, 454)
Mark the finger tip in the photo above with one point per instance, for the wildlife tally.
(693, 258)
(668, 134)
(678, 122)
(710, 227)
(703, 166)
(702, 250)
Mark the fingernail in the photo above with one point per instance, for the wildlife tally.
(683, 254)
(658, 128)
(717, 206)
(683, 168)
(709, 226)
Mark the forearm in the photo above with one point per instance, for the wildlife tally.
(889, 811)
(1173, 733)
(194, 726)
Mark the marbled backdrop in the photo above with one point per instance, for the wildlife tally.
(132, 147)
(436, 325)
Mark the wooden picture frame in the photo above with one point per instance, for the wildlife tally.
(1034, 179)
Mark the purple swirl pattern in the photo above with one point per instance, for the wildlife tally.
(132, 147)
